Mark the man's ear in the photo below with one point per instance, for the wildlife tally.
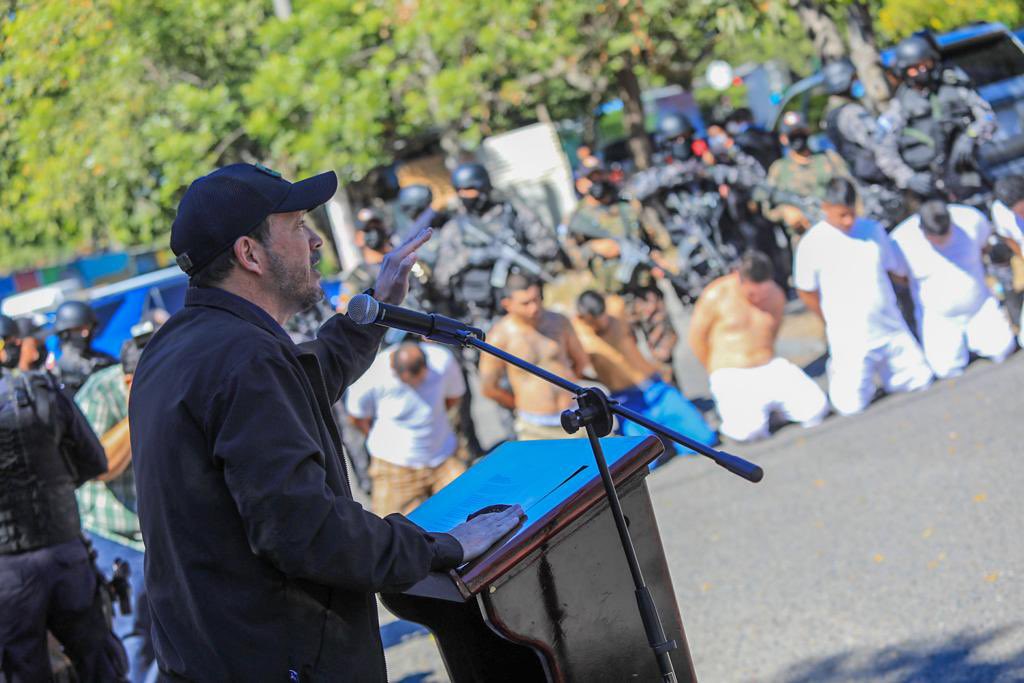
(250, 254)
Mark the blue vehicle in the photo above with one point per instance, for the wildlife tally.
(993, 58)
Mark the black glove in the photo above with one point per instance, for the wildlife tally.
(921, 184)
(962, 153)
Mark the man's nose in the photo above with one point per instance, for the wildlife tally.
(315, 241)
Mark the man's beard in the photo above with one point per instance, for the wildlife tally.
(294, 285)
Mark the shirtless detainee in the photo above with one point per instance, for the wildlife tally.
(732, 333)
(631, 378)
(543, 338)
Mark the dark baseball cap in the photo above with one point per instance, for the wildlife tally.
(233, 201)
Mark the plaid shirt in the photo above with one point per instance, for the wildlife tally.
(108, 508)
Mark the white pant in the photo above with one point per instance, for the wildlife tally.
(899, 363)
(948, 340)
(746, 398)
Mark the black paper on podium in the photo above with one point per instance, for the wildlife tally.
(538, 475)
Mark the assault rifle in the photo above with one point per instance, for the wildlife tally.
(507, 253)
(809, 206)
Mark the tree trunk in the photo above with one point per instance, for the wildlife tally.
(633, 117)
(860, 32)
(821, 28)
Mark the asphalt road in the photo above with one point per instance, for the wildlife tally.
(880, 547)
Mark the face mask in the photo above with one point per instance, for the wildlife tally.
(76, 343)
(857, 90)
(680, 151)
(923, 77)
(718, 143)
(477, 204)
(375, 238)
(799, 143)
(737, 127)
(603, 191)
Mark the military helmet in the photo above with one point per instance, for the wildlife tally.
(9, 328)
(912, 51)
(673, 125)
(791, 121)
(367, 215)
(839, 76)
(412, 199)
(73, 314)
(471, 177)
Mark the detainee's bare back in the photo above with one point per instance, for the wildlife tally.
(739, 333)
(548, 345)
(614, 354)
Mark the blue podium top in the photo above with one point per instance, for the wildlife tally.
(538, 475)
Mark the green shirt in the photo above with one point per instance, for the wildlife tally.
(108, 508)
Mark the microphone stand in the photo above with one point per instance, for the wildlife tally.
(595, 415)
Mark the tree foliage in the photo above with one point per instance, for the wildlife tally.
(110, 107)
(899, 18)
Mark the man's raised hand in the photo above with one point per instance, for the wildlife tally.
(393, 280)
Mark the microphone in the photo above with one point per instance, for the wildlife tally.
(363, 309)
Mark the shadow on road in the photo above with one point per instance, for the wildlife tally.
(957, 660)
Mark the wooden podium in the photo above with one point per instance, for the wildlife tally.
(553, 601)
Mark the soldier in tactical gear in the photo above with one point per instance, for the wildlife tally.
(476, 243)
(931, 131)
(47, 450)
(627, 252)
(75, 324)
(676, 165)
(854, 132)
(801, 173)
(470, 274)
(739, 176)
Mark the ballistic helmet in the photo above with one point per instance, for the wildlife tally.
(839, 76)
(73, 314)
(673, 125)
(912, 51)
(414, 199)
(471, 177)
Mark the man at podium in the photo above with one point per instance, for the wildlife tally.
(260, 566)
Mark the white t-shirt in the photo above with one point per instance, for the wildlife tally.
(411, 425)
(948, 280)
(1007, 223)
(850, 271)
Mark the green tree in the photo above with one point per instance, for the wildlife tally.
(109, 108)
(899, 18)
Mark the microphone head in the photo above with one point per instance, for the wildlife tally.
(363, 309)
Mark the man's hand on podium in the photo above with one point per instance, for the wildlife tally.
(483, 531)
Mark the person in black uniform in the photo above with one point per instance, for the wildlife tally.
(75, 324)
(259, 564)
(48, 581)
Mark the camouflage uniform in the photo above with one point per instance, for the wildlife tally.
(645, 305)
(806, 180)
(855, 132)
(918, 122)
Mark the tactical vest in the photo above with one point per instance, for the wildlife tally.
(37, 499)
(932, 121)
(474, 283)
(75, 368)
(861, 160)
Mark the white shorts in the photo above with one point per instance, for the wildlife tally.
(746, 398)
(948, 340)
(899, 363)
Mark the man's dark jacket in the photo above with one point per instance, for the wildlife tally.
(258, 561)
